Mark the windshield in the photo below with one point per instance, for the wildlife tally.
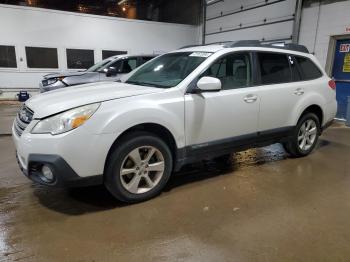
(98, 65)
(168, 70)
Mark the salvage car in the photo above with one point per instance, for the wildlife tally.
(194, 103)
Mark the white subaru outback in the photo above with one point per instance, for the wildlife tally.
(194, 103)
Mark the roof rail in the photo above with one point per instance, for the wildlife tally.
(257, 43)
(214, 43)
(188, 46)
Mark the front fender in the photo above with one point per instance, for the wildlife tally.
(117, 116)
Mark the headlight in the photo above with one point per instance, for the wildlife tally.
(51, 81)
(65, 121)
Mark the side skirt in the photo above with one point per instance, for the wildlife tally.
(195, 153)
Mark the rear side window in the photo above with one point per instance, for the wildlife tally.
(308, 69)
(274, 68)
(294, 68)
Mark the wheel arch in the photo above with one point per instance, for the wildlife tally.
(316, 109)
(153, 128)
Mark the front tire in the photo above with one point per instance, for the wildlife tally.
(138, 168)
(305, 136)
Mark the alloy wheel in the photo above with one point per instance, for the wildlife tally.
(307, 135)
(142, 169)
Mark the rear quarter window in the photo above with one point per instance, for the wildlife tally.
(308, 69)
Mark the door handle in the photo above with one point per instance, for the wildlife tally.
(299, 91)
(250, 98)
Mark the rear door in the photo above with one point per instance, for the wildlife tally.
(280, 91)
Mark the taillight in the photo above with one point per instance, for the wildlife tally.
(331, 84)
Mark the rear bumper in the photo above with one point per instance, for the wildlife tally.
(64, 175)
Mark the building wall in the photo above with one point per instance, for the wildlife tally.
(25, 26)
(321, 21)
(266, 20)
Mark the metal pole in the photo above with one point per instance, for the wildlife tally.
(297, 20)
(204, 17)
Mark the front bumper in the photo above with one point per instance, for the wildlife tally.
(63, 174)
(76, 158)
(56, 85)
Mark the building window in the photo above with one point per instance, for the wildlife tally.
(8, 56)
(109, 53)
(41, 57)
(80, 58)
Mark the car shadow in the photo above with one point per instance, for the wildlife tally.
(78, 201)
(82, 200)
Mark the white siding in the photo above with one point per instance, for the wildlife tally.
(274, 12)
(25, 26)
(333, 19)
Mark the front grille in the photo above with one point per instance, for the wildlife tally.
(23, 118)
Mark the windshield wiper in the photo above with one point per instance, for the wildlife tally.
(144, 84)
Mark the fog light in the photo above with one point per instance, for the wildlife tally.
(47, 174)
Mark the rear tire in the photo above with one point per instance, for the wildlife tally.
(138, 168)
(305, 136)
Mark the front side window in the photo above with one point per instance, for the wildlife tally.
(8, 56)
(98, 66)
(274, 68)
(234, 71)
(128, 65)
(41, 57)
(308, 68)
(168, 70)
(123, 65)
(80, 58)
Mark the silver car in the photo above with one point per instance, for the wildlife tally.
(109, 69)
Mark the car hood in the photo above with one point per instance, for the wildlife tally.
(59, 100)
(64, 74)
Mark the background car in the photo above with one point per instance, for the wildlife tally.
(109, 69)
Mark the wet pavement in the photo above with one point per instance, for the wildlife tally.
(264, 206)
(8, 110)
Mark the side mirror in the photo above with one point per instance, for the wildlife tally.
(111, 71)
(209, 84)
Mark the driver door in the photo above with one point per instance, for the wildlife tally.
(227, 118)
